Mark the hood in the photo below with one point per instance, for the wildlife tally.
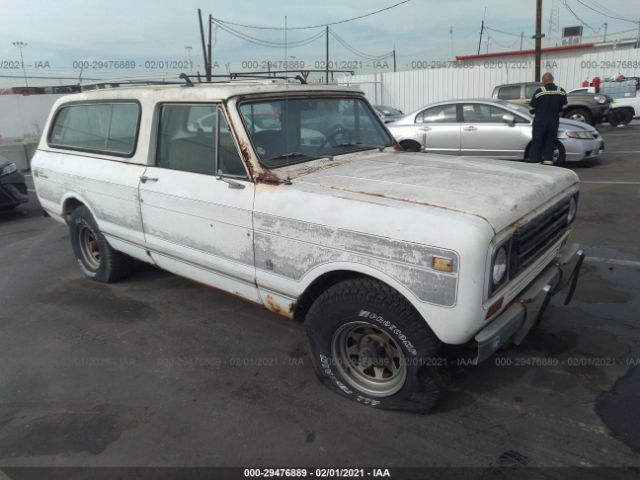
(566, 124)
(498, 191)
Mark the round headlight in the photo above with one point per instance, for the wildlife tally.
(573, 209)
(499, 266)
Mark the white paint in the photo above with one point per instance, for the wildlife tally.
(410, 90)
(24, 114)
(385, 209)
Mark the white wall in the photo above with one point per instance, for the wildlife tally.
(413, 89)
(24, 115)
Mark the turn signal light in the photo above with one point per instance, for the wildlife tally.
(442, 263)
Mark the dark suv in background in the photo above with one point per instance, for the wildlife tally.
(13, 190)
(583, 108)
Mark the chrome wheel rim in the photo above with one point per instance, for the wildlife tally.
(578, 117)
(89, 247)
(369, 359)
(556, 155)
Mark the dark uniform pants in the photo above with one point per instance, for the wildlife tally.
(544, 140)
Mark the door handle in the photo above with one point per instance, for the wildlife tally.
(425, 129)
(470, 129)
(145, 179)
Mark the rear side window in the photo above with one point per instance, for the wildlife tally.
(110, 128)
(509, 93)
(529, 90)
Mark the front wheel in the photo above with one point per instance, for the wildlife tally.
(579, 115)
(559, 154)
(93, 253)
(370, 345)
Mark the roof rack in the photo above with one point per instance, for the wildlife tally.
(191, 80)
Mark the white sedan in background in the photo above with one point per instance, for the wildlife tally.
(489, 128)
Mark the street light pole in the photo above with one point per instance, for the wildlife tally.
(24, 70)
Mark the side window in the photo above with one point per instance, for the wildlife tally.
(229, 161)
(101, 127)
(483, 113)
(477, 113)
(529, 90)
(509, 93)
(439, 114)
(194, 138)
(183, 143)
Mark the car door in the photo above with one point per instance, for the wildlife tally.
(484, 132)
(438, 130)
(196, 200)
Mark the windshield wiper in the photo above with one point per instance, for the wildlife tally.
(297, 156)
(361, 146)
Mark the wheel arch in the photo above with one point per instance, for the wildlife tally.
(320, 279)
(71, 201)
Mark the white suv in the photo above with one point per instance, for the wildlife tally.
(296, 197)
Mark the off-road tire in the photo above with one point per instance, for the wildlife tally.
(372, 303)
(108, 265)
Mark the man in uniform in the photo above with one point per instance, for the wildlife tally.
(547, 103)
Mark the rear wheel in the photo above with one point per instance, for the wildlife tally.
(93, 253)
(580, 115)
(619, 116)
(370, 345)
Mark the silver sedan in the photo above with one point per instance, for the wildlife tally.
(489, 128)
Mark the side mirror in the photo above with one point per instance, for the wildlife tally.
(509, 119)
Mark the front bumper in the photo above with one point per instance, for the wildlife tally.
(577, 150)
(517, 320)
(13, 190)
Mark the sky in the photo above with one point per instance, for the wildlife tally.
(104, 39)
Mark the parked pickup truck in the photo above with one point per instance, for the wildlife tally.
(296, 197)
(590, 109)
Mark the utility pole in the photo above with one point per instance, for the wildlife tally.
(521, 39)
(24, 70)
(204, 48)
(538, 37)
(327, 55)
(394, 59)
(209, 64)
(482, 29)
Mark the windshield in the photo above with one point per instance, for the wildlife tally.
(293, 130)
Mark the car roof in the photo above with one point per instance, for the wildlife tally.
(216, 91)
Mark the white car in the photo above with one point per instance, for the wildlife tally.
(489, 128)
(386, 256)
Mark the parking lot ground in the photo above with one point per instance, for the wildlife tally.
(158, 370)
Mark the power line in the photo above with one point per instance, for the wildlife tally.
(356, 51)
(606, 15)
(502, 31)
(260, 27)
(566, 5)
(269, 43)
